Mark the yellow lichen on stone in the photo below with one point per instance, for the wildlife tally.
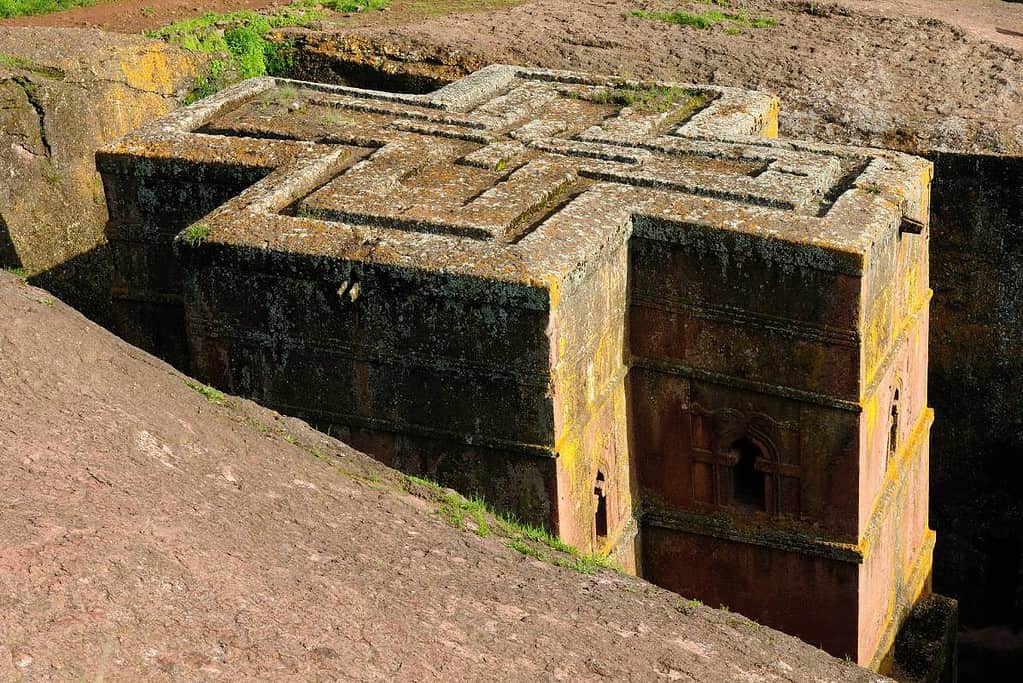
(157, 69)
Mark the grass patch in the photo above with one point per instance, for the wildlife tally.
(333, 118)
(281, 96)
(584, 564)
(52, 176)
(17, 272)
(21, 8)
(347, 6)
(26, 64)
(652, 99)
(438, 7)
(210, 82)
(240, 43)
(239, 40)
(453, 507)
(687, 607)
(706, 18)
(196, 233)
(510, 526)
(212, 395)
(533, 541)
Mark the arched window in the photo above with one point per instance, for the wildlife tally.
(747, 480)
(893, 429)
(600, 517)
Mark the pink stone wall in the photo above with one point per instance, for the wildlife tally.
(775, 587)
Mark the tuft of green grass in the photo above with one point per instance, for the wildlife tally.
(26, 64)
(584, 564)
(52, 176)
(438, 7)
(212, 395)
(533, 541)
(17, 272)
(510, 526)
(333, 119)
(649, 99)
(196, 233)
(706, 18)
(20, 8)
(280, 96)
(687, 606)
(347, 6)
(813, 9)
(453, 507)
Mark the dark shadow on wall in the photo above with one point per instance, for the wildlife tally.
(82, 282)
(8, 254)
(976, 372)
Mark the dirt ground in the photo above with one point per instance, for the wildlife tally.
(843, 76)
(995, 20)
(135, 16)
(150, 533)
(915, 75)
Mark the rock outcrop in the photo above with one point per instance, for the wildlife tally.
(63, 94)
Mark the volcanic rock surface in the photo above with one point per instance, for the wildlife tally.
(63, 94)
(151, 532)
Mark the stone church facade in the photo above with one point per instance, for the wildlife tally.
(625, 311)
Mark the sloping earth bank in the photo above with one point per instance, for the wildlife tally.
(150, 532)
